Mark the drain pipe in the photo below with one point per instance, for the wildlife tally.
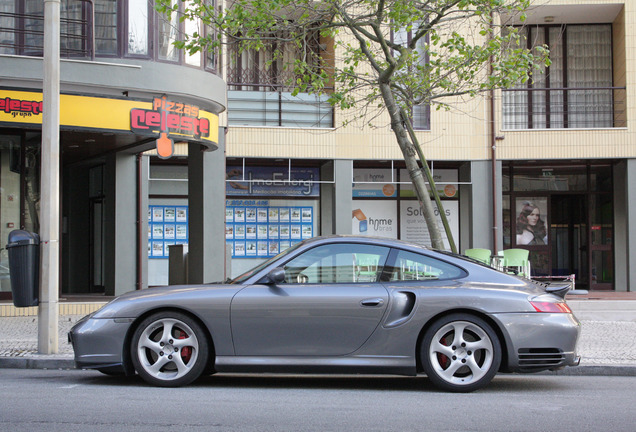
(493, 150)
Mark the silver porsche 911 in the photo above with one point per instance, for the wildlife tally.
(339, 305)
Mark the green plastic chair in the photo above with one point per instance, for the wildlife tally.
(517, 258)
(482, 255)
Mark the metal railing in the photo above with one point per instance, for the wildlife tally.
(252, 104)
(565, 108)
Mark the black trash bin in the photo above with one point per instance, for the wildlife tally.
(24, 267)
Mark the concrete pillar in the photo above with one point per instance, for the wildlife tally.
(120, 180)
(206, 201)
(624, 221)
(476, 218)
(336, 200)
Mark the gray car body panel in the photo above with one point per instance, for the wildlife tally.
(298, 327)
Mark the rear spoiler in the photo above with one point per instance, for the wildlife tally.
(558, 289)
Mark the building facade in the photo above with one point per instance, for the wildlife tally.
(284, 168)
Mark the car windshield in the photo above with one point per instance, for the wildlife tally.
(242, 278)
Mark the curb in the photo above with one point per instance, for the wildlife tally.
(33, 362)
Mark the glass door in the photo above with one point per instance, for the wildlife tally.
(601, 242)
(569, 236)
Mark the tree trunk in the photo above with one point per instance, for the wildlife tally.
(410, 157)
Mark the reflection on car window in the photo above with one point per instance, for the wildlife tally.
(411, 266)
(337, 263)
(242, 278)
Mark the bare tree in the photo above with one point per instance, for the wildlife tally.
(393, 55)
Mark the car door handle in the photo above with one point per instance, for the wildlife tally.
(375, 302)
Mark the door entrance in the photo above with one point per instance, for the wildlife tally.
(569, 237)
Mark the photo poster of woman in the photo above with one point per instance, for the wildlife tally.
(532, 221)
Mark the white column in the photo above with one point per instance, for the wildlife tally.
(50, 183)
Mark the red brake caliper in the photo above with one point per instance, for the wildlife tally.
(444, 361)
(186, 352)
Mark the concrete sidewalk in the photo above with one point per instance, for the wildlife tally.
(607, 344)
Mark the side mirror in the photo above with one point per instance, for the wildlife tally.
(275, 276)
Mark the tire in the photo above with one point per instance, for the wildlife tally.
(169, 349)
(460, 353)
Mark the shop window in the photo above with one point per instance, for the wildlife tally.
(601, 179)
(548, 179)
(10, 204)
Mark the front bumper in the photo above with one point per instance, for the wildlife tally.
(99, 343)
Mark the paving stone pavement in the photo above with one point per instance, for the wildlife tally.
(602, 343)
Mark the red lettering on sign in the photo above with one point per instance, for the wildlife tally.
(9, 105)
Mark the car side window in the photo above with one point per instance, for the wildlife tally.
(410, 266)
(337, 263)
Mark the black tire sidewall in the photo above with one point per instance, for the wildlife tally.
(202, 355)
(430, 370)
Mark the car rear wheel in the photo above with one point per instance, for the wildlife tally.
(169, 349)
(460, 353)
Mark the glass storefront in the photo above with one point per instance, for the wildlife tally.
(564, 216)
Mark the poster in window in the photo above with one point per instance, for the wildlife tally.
(250, 248)
(306, 214)
(532, 221)
(239, 214)
(295, 214)
(262, 231)
(262, 248)
(229, 232)
(157, 231)
(157, 214)
(169, 214)
(229, 215)
(284, 214)
(182, 214)
(239, 248)
(284, 244)
(250, 231)
(239, 231)
(273, 232)
(273, 214)
(413, 224)
(261, 215)
(157, 248)
(284, 231)
(307, 232)
(181, 231)
(250, 214)
(273, 248)
(295, 231)
(169, 231)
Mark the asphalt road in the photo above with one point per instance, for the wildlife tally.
(72, 400)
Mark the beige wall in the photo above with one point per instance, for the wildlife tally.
(463, 133)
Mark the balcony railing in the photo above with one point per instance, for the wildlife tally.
(565, 108)
(23, 34)
(272, 105)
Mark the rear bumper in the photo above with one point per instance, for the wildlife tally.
(540, 341)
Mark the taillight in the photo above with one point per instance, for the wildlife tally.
(550, 307)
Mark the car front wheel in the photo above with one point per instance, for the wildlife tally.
(460, 353)
(169, 349)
